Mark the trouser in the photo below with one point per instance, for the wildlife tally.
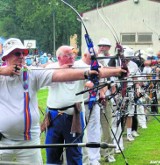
(85, 140)
(135, 121)
(154, 109)
(142, 116)
(85, 150)
(106, 129)
(93, 132)
(59, 132)
(22, 156)
(117, 129)
(85, 157)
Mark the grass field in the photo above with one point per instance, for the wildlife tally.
(145, 150)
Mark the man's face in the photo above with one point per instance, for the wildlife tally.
(88, 58)
(16, 57)
(67, 58)
(103, 49)
(88, 55)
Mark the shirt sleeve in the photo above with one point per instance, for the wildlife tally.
(41, 78)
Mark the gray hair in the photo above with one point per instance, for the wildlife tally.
(61, 50)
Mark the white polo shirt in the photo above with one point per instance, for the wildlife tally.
(12, 120)
(62, 94)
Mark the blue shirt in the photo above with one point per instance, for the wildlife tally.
(28, 61)
(43, 59)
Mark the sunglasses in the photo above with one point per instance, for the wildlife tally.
(18, 54)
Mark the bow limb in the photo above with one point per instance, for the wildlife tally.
(118, 50)
(94, 66)
(108, 24)
(94, 63)
(122, 63)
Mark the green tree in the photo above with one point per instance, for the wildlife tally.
(33, 19)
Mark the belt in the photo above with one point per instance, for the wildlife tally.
(61, 109)
(76, 120)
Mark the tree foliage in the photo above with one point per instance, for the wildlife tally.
(33, 19)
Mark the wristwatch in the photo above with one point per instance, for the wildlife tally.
(86, 74)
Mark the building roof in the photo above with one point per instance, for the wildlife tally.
(120, 1)
(105, 6)
(155, 0)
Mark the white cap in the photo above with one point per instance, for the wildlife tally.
(12, 44)
(45, 54)
(149, 52)
(143, 54)
(128, 52)
(104, 41)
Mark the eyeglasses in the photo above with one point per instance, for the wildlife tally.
(68, 55)
(18, 54)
